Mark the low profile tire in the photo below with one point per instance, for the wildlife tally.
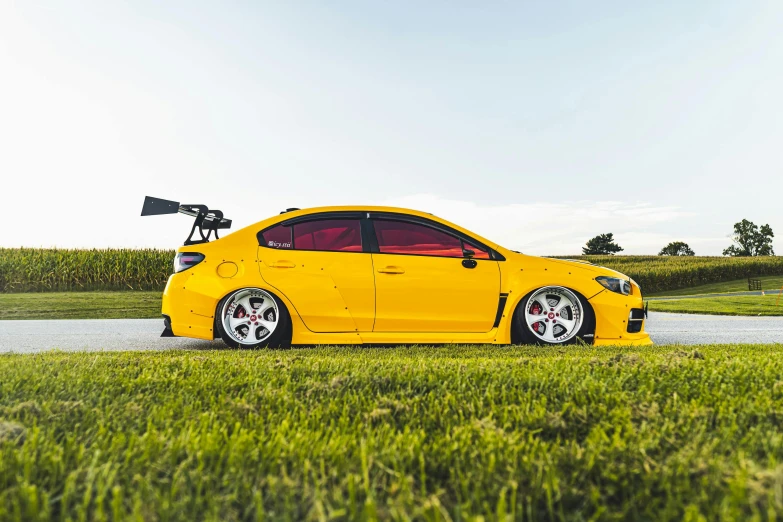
(553, 315)
(253, 318)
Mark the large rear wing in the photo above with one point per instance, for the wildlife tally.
(207, 221)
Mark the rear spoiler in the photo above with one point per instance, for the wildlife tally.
(206, 220)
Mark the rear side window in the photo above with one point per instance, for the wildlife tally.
(278, 237)
(330, 235)
(400, 237)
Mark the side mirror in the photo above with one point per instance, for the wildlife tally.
(468, 253)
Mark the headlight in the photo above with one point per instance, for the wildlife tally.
(615, 284)
(185, 260)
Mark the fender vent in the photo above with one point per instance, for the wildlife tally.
(635, 320)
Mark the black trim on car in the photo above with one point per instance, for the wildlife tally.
(167, 327)
(501, 307)
(369, 239)
(635, 320)
(353, 214)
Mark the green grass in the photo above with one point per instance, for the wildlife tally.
(577, 433)
(734, 305)
(769, 284)
(81, 305)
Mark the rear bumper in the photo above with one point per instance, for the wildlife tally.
(167, 332)
(612, 315)
(190, 313)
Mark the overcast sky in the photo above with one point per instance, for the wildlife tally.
(536, 124)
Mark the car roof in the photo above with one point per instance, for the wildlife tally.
(356, 208)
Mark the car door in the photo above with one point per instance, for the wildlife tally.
(424, 283)
(320, 265)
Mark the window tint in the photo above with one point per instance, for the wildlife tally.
(278, 237)
(399, 237)
(481, 252)
(334, 235)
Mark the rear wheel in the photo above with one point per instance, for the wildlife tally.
(553, 315)
(253, 318)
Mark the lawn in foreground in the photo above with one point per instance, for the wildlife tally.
(732, 305)
(81, 305)
(569, 433)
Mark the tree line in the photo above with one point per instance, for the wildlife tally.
(748, 239)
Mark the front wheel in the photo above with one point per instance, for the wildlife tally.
(253, 318)
(553, 315)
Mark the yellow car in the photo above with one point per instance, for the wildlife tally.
(367, 274)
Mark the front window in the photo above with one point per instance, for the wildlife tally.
(479, 252)
(401, 237)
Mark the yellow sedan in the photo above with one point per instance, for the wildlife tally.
(367, 274)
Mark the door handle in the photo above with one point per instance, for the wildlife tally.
(282, 264)
(469, 263)
(391, 270)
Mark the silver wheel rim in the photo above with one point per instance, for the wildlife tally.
(250, 315)
(554, 314)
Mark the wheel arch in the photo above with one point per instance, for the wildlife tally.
(294, 317)
(520, 296)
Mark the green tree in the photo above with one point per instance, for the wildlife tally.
(601, 244)
(676, 248)
(750, 240)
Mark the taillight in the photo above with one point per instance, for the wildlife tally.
(185, 260)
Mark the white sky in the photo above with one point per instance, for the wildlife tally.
(538, 125)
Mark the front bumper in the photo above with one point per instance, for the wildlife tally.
(612, 316)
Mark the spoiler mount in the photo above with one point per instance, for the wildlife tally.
(206, 221)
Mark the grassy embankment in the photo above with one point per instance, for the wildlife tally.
(81, 305)
(567, 433)
(146, 305)
(764, 305)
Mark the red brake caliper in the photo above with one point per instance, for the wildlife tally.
(535, 310)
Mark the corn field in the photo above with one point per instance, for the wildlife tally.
(52, 270)
(47, 270)
(661, 273)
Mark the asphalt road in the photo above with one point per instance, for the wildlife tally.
(93, 335)
(144, 334)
